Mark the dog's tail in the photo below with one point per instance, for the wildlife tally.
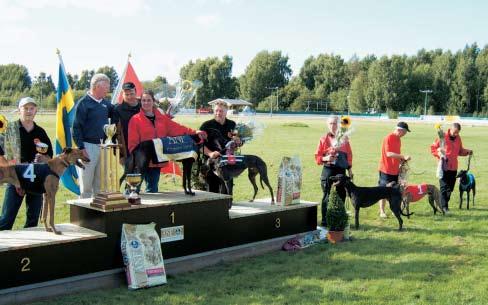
(405, 214)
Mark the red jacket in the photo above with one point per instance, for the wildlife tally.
(141, 129)
(454, 148)
(325, 146)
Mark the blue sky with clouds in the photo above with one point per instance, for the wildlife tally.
(164, 35)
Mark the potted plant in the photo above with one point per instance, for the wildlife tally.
(336, 218)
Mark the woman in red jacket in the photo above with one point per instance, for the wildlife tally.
(335, 158)
(453, 147)
(149, 124)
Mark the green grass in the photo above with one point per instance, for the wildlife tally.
(436, 260)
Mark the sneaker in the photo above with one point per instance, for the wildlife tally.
(383, 215)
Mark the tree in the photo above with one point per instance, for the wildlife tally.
(266, 70)
(482, 79)
(357, 95)
(72, 79)
(463, 89)
(216, 76)
(387, 84)
(442, 74)
(112, 74)
(42, 87)
(326, 71)
(14, 78)
(84, 81)
(339, 100)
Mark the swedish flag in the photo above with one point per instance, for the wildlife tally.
(65, 114)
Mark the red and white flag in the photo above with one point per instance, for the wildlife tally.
(129, 75)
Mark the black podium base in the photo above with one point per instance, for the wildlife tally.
(187, 225)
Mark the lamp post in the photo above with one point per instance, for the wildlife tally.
(426, 98)
(271, 100)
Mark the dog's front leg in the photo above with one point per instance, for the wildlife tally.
(356, 218)
(44, 212)
(467, 199)
(460, 199)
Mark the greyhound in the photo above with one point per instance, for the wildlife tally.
(364, 197)
(139, 159)
(415, 192)
(43, 178)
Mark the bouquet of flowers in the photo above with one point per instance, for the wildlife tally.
(3, 123)
(246, 131)
(344, 131)
(442, 159)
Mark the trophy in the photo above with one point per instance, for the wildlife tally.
(41, 148)
(133, 180)
(109, 197)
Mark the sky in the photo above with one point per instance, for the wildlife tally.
(164, 35)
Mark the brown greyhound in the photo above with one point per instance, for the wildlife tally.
(43, 178)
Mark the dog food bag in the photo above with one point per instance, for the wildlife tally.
(143, 260)
(289, 181)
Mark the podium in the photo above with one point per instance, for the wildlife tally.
(187, 225)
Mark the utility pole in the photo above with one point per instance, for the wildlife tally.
(271, 100)
(427, 91)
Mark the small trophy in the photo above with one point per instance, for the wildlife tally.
(109, 130)
(133, 180)
(41, 148)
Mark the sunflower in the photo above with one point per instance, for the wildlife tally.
(345, 121)
(3, 123)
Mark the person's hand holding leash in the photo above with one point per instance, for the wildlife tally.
(202, 134)
(214, 154)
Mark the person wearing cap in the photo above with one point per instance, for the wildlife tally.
(453, 147)
(335, 159)
(390, 159)
(124, 112)
(219, 132)
(92, 112)
(19, 142)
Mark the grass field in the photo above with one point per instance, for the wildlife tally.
(435, 260)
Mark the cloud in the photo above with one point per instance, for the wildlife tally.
(207, 20)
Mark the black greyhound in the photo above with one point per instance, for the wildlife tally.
(467, 183)
(363, 197)
(254, 164)
(139, 159)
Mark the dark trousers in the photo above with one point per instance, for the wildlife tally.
(446, 187)
(11, 204)
(326, 186)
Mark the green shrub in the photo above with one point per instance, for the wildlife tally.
(294, 124)
(336, 212)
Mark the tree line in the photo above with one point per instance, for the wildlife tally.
(455, 82)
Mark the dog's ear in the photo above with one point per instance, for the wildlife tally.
(67, 150)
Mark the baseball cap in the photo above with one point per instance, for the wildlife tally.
(26, 100)
(403, 125)
(128, 86)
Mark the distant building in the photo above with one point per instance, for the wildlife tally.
(233, 105)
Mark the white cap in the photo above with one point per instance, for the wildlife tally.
(26, 100)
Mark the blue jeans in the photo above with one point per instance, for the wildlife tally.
(11, 204)
(152, 179)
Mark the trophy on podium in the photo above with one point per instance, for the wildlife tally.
(133, 180)
(109, 196)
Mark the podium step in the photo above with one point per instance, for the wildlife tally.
(35, 237)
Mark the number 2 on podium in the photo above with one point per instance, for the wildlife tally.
(25, 262)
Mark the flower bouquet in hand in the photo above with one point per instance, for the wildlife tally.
(442, 153)
(341, 137)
